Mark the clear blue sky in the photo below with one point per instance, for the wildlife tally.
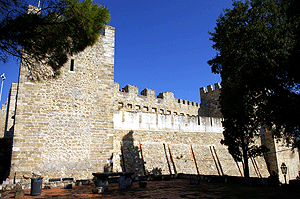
(160, 44)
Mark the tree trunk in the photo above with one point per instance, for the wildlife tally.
(246, 165)
(245, 157)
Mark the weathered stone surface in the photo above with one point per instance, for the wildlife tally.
(2, 120)
(210, 101)
(98, 190)
(62, 126)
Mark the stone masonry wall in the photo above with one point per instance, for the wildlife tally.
(280, 153)
(82, 122)
(179, 136)
(128, 99)
(210, 101)
(10, 113)
(289, 157)
(2, 121)
(64, 126)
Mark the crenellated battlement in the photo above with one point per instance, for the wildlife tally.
(128, 98)
(209, 89)
(210, 101)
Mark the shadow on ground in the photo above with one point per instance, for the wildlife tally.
(174, 188)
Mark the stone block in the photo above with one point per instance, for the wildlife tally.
(128, 182)
(101, 183)
(122, 182)
(68, 186)
(98, 190)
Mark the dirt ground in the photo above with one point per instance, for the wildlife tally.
(174, 188)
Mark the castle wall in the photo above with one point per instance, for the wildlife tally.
(64, 126)
(82, 122)
(128, 99)
(289, 157)
(210, 101)
(280, 153)
(2, 121)
(153, 121)
(10, 112)
(150, 131)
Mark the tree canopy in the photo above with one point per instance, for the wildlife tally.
(52, 33)
(257, 45)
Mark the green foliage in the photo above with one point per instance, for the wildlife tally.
(258, 56)
(60, 29)
(57, 73)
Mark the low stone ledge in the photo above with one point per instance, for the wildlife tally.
(67, 179)
(54, 179)
(84, 182)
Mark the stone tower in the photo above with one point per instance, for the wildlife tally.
(64, 126)
(210, 101)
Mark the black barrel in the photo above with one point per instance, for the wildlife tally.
(36, 186)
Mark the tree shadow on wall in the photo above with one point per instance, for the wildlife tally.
(132, 157)
(5, 154)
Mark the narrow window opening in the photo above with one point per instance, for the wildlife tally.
(72, 65)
